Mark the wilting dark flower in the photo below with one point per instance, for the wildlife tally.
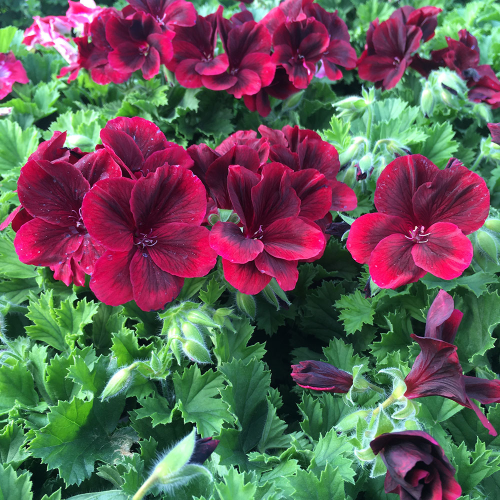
(203, 448)
(11, 71)
(417, 467)
(274, 237)
(152, 235)
(495, 132)
(388, 52)
(138, 42)
(423, 216)
(167, 12)
(320, 376)
(443, 319)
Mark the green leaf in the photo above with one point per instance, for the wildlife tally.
(341, 355)
(78, 433)
(126, 348)
(102, 495)
(236, 487)
(90, 373)
(12, 267)
(12, 441)
(14, 487)
(196, 396)
(16, 291)
(16, 385)
(396, 339)
(15, 145)
(473, 467)
(157, 409)
(440, 145)
(307, 486)
(476, 283)
(440, 409)
(356, 311)
(6, 36)
(212, 293)
(273, 434)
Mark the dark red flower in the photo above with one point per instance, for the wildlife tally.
(443, 319)
(152, 235)
(486, 88)
(203, 448)
(140, 147)
(248, 48)
(287, 11)
(495, 132)
(11, 71)
(167, 12)
(138, 42)
(298, 46)
(424, 18)
(273, 236)
(417, 468)
(320, 376)
(388, 52)
(194, 48)
(423, 216)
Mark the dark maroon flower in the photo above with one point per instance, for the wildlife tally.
(167, 12)
(495, 132)
(486, 88)
(152, 235)
(423, 216)
(443, 319)
(245, 138)
(11, 71)
(274, 237)
(424, 18)
(388, 52)
(138, 42)
(140, 147)
(298, 46)
(320, 376)
(287, 11)
(248, 48)
(417, 468)
(203, 448)
(194, 48)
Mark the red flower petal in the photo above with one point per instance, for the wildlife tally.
(229, 242)
(314, 192)
(495, 132)
(183, 250)
(381, 69)
(179, 13)
(343, 197)
(151, 66)
(321, 376)
(447, 253)
(223, 81)
(443, 319)
(107, 216)
(240, 182)
(203, 157)
(248, 82)
(285, 271)
(391, 263)
(111, 279)
(174, 156)
(123, 149)
(187, 75)
(97, 166)
(482, 390)
(126, 58)
(216, 66)
(245, 277)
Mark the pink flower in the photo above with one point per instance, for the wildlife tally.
(11, 71)
(423, 216)
(151, 231)
(81, 14)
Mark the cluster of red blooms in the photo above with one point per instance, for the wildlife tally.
(435, 372)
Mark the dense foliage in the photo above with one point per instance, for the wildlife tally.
(249, 251)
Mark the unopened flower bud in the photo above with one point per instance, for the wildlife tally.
(196, 351)
(118, 382)
(293, 100)
(246, 304)
(427, 101)
(190, 332)
(486, 244)
(200, 318)
(270, 296)
(349, 153)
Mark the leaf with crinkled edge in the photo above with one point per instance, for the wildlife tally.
(16, 145)
(396, 339)
(236, 486)
(102, 495)
(307, 486)
(273, 434)
(156, 408)
(55, 496)
(126, 347)
(341, 355)
(197, 399)
(11, 266)
(16, 385)
(212, 293)
(476, 283)
(440, 145)
(12, 441)
(356, 311)
(14, 486)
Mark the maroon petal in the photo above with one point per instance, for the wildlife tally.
(495, 132)
(111, 279)
(245, 277)
(446, 254)
(398, 183)
(483, 390)
(183, 250)
(240, 182)
(223, 81)
(318, 154)
(97, 166)
(123, 149)
(229, 242)
(52, 149)
(187, 75)
(340, 52)
(171, 194)
(203, 157)
(382, 69)
(285, 271)
(443, 319)
(174, 156)
(391, 263)
(314, 192)
(126, 58)
(6, 223)
(320, 376)
(42, 244)
(179, 13)
(203, 449)
(151, 66)
(248, 82)
(343, 197)
(52, 191)
(107, 216)
(216, 66)
(455, 195)
(368, 230)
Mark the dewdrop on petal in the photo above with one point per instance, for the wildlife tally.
(118, 382)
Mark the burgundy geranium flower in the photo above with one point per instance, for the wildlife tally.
(443, 319)
(138, 42)
(417, 467)
(140, 147)
(167, 12)
(203, 448)
(273, 236)
(423, 216)
(495, 132)
(320, 376)
(52, 193)
(486, 88)
(248, 48)
(287, 11)
(424, 18)
(194, 52)
(298, 46)
(388, 52)
(152, 235)
(11, 71)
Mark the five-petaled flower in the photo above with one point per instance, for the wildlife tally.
(321, 376)
(423, 216)
(11, 71)
(417, 467)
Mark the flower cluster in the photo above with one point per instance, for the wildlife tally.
(424, 215)
(11, 71)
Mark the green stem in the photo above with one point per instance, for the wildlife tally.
(369, 123)
(375, 388)
(150, 481)
(478, 161)
(383, 406)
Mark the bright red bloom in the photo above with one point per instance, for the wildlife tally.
(495, 132)
(52, 193)
(423, 216)
(388, 52)
(424, 18)
(152, 235)
(248, 48)
(417, 467)
(167, 12)
(273, 236)
(194, 52)
(138, 42)
(11, 71)
(320, 376)
(140, 147)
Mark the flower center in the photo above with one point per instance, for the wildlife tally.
(144, 49)
(418, 235)
(144, 240)
(396, 61)
(258, 234)
(78, 221)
